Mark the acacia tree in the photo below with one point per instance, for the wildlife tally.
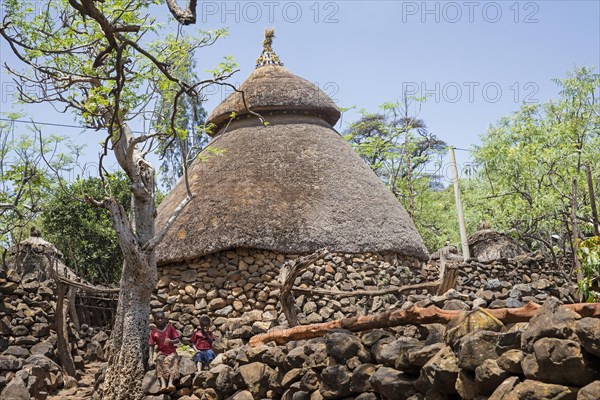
(526, 162)
(82, 231)
(27, 162)
(189, 120)
(97, 58)
(398, 147)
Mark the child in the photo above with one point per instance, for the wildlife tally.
(202, 341)
(165, 337)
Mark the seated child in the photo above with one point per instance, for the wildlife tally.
(202, 341)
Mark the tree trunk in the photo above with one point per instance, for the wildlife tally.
(129, 338)
(129, 343)
(287, 276)
(414, 315)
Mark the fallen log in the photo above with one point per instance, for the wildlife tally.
(414, 316)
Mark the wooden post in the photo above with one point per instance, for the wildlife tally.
(459, 210)
(590, 183)
(575, 233)
(60, 319)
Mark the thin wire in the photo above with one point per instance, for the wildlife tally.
(458, 148)
(55, 124)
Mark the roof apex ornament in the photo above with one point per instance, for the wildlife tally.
(268, 56)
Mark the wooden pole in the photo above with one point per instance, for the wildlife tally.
(575, 232)
(590, 183)
(414, 316)
(459, 210)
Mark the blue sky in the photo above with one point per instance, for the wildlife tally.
(477, 60)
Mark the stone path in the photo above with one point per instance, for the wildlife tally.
(85, 385)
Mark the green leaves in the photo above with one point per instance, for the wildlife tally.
(588, 252)
(225, 67)
(398, 147)
(84, 232)
(528, 159)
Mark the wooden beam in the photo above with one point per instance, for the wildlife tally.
(414, 315)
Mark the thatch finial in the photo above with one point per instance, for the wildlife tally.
(268, 56)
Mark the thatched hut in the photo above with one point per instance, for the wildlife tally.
(266, 193)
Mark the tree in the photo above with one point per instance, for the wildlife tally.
(189, 121)
(526, 162)
(96, 59)
(82, 231)
(399, 148)
(26, 169)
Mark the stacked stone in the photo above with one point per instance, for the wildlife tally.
(510, 282)
(28, 357)
(238, 289)
(27, 362)
(554, 356)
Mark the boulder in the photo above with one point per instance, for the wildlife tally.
(487, 246)
(470, 322)
(17, 351)
(511, 361)
(295, 358)
(292, 376)
(466, 385)
(15, 390)
(386, 352)
(477, 347)
(501, 392)
(439, 373)
(489, 376)
(187, 366)
(588, 332)
(418, 356)
(150, 383)
(551, 321)
(257, 377)
(335, 382)
(10, 363)
(589, 392)
(559, 361)
(342, 345)
(310, 381)
(45, 348)
(360, 378)
(392, 384)
(242, 395)
(534, 390)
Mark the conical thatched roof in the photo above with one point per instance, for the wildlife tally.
(274, 88)
(293, 186)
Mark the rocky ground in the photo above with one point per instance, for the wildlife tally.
(554, 356)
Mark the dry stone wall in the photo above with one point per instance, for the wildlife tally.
(556, 355)
(238, 289)
(29, 364)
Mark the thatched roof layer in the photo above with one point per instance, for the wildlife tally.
(293, 187)
(274, 88)
(487, 245)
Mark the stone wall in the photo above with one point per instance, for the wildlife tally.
(554, 356)
(238, 289)
(29, 364)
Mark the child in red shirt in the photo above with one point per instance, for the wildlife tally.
(164, 337)
(202, 341)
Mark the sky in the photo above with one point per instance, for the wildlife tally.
(476, 61)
